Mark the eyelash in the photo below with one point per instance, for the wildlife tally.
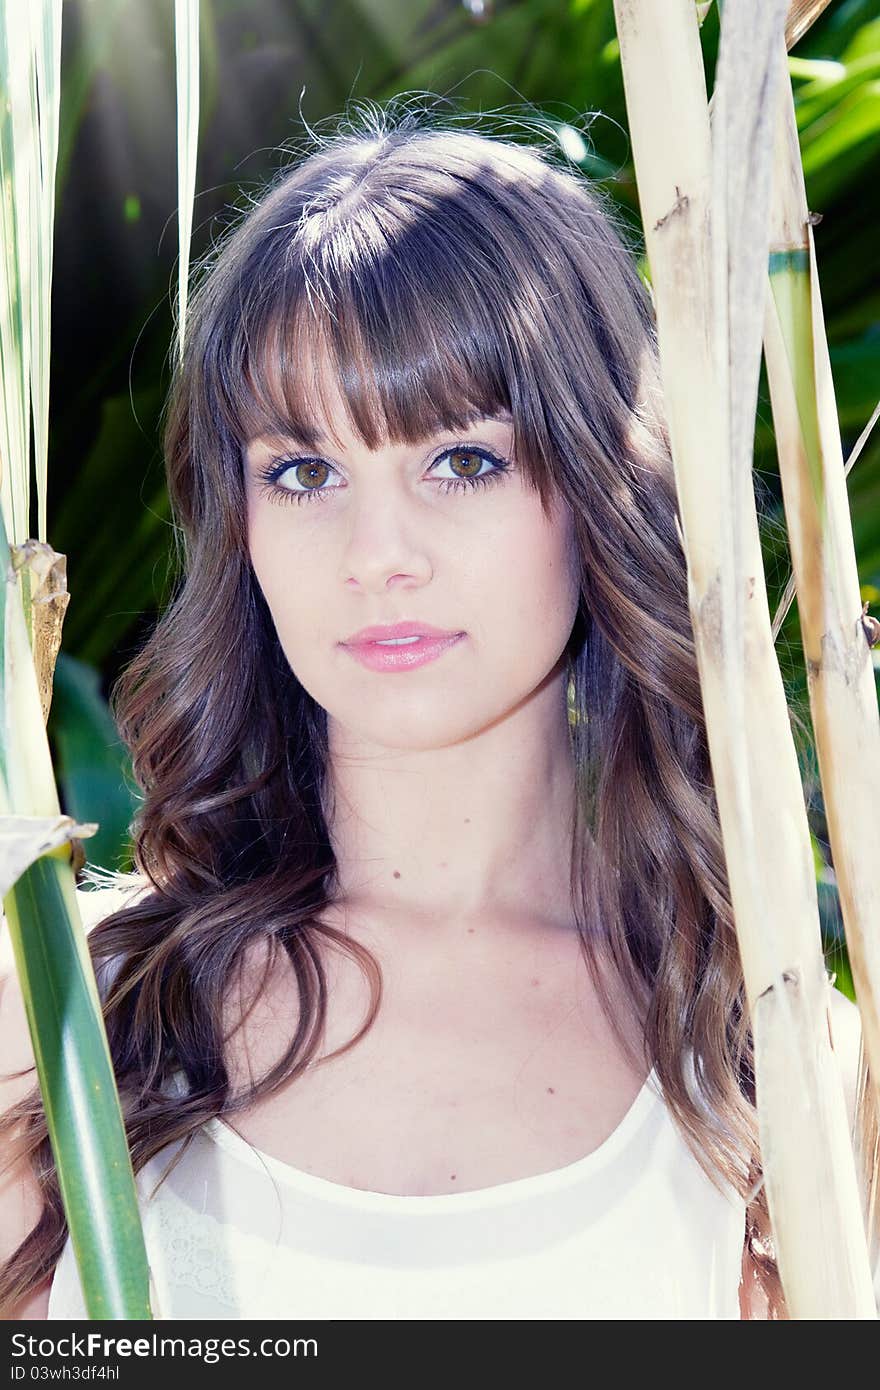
(275, 493)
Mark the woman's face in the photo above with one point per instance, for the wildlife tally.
(353, 539)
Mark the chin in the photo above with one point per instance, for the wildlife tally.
(409, 726)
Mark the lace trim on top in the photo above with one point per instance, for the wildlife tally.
(194, 1250)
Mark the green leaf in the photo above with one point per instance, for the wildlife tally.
(91, 764)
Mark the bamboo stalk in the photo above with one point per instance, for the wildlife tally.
(186, 49)
(871, 626)
(704, 196)
(16, 176)
(45, 97)
(74, 1069)
(58, 987)
(840, 674)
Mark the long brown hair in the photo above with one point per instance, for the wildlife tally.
(452, 269)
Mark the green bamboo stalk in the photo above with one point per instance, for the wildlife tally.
(74, 1069)
(16, 157)
(704, 195)
(69, 1041)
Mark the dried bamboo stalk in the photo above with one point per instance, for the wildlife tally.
(839, 669)
(705, 207)
(40, 911)
(840, 676)
(186, 51)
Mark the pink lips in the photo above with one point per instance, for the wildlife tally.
(367, 645)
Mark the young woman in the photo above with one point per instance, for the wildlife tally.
(426, 1001)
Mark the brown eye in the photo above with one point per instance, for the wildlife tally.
(472, 464)
(466, 464)
(298, 480)
(312, 473)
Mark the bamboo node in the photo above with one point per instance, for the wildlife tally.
(789, 977)
(681, 202)
(49, 599)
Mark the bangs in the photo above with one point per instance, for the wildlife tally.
(413, 328)
(395, 393)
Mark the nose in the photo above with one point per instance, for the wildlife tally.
(386, 545)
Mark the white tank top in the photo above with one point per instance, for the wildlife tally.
(634, 1230)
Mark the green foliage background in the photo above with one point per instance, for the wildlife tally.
(268, 67)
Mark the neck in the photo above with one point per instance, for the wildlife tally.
(478, 829)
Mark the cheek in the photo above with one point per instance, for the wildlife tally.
(537, 578)
(289, 576)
